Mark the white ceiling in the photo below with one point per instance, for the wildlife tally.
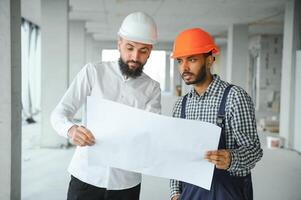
(103, 17)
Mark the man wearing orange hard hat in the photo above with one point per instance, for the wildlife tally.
(228, 106)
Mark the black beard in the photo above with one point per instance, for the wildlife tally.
(126, 71)
(200, 77)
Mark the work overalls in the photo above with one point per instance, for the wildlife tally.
(224, 186)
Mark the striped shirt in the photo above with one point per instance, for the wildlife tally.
(240, 125)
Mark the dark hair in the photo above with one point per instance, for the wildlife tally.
(209, 54)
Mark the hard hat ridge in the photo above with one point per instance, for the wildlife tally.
(139, 27)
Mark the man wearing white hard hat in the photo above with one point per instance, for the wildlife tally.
(121, 81)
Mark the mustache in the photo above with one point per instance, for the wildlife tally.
(134, 62)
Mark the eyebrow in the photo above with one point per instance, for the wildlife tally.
(143, 48)
(186, 58)
(129, 44)
(191, 57)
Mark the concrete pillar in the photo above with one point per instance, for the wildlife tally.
(175, 77)
(169, 64)
(10, 101)
(89, 48)
(237, 55)
(167, 72)
(77, 53)
(291, 43)
(77, 48)
(223, 61)
(55, 73)
(297, 130)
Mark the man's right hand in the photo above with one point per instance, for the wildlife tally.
(80, 136)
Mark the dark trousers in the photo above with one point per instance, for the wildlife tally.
(79, 190)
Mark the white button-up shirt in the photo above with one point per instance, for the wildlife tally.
(104, 80)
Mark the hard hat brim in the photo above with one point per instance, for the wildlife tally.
(136, 39)
(214, 51)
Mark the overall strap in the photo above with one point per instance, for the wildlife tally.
(222, 140)
(183, 107)
(221, 111)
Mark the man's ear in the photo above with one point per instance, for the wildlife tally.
(210, 59)
(150, 51)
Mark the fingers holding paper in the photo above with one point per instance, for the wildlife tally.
(221, 158)
(81, 136)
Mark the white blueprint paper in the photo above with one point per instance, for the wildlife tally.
(151, 144)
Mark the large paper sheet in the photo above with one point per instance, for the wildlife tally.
(152, 144)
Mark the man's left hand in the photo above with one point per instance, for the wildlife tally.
(221, 158)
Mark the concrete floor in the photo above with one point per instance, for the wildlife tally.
(277, 176)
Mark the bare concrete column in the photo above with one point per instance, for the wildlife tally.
(89, 47)
(291, 43)
(77, 53)
(77, 48)
(55, 67)
(297, 132)
(237, 55)
(10, 101)
(167, 72)
(223, 61)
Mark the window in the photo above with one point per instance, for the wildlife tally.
(31, 69)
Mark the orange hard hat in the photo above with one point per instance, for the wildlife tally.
(193, 41)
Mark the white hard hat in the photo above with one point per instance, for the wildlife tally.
(139, 27)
